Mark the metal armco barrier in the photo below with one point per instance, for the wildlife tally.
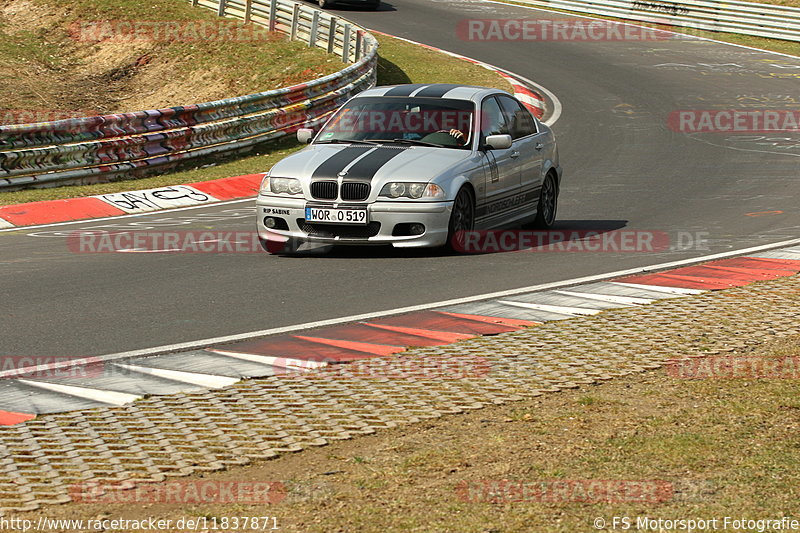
(731, 16)
(96, 149)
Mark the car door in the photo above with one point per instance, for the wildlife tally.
(501, 168)
(527, 144)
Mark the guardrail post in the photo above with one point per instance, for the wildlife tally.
(273, 14)
(248, 10)
(312, 39)
(221, 10)
(295, 21)
(359, 44)
(346, 44)
(332, 34)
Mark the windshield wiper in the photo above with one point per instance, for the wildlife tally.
(412, 141)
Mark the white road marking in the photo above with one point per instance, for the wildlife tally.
(193, 378)
(97, 395)
(782, 254)
(558, 309)
(660, 288)
(282, 362)
(624, 300)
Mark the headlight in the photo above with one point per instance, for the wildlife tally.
(397, 189)
(281, 186)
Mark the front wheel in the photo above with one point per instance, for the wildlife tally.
(462, 220)
(548, 204)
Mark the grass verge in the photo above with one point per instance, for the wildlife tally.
(400, 62)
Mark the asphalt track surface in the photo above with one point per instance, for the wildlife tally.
(624, 169)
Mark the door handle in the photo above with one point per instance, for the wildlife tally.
(539, 146)
(515, 154)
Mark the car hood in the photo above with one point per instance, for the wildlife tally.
(377, 164)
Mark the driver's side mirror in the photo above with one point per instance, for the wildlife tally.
(498, 142)
(304, 135)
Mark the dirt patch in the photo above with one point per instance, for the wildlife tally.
(26, 15)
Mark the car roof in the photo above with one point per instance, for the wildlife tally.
(434, 90)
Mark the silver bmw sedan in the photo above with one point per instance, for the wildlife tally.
(413, 166)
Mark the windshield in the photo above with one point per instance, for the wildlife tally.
(423, 121)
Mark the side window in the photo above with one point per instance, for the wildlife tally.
(520, 120)
(493, 121)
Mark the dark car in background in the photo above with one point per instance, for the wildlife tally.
(369, 4)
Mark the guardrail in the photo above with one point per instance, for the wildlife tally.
(96, 149)
(731, 16)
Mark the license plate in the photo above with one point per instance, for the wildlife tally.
(338, 215)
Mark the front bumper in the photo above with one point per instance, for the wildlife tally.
(435, 216)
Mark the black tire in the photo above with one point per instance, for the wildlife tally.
(547, 207)
(462, 219)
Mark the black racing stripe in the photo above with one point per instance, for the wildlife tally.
(368, 166)
(330, 168)
(437, 91)
(405, 90)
